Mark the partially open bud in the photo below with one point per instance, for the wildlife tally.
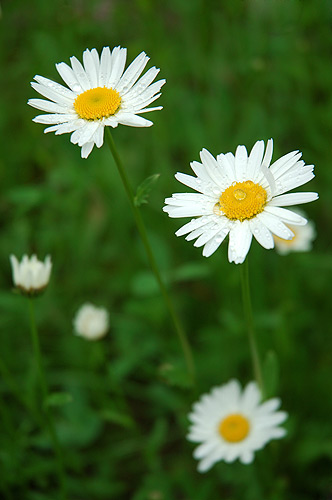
(31, 276)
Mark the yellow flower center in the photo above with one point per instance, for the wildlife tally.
(234, 428)
(241, 200)
(97, 103)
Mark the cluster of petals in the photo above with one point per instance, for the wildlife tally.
(31, 275)
(227, 401)
(214, 176)
(91, 322)
(302, 240)
(107, 71)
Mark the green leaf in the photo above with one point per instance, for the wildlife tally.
(143, 190)
(58, 399)
(271, 374)
(191, 271)
(175, 375)
(116, 417)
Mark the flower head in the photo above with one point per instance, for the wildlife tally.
(241, 196)
(91, 322)
(301, 241)
(31, 275)
(100, 94)
(232, 424)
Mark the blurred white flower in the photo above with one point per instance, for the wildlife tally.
(100, 94)
(301, 241)
(31, 275)
(243, 196)
(91, 322)
(232, 424)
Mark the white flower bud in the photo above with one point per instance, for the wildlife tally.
(31, 275)
(91, 322)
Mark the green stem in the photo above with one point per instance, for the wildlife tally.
(6, 375)
(142, 231)
(250, 325)
(44, 390)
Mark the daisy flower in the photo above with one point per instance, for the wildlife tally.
(91, 322)
(100, 94)
(232, 424)
(301, 241)
(241, 196)
(31, 275)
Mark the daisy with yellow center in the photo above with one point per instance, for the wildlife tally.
(99, 93)
(232, 424)
(241, 195)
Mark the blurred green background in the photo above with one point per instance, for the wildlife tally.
(236, 72)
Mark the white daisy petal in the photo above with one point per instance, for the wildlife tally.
(215, 242)
(49, 106)
(255, 159)
(205, 448)
(241, 160)
(261, 233)
(239, 242)
(80, 73)
(62, 100)
(67, 128)
(91, 69)
(268, 154)
(286, 200)
(272, 420)
(275, 225)
(53, 128)
(194, 183)
(118, 62)
(68, 76)
(193, 224)
(205, 464)
(59, 90)
(105, 67)
(269, 406)
(208, 235)
(147, 110)
(286, 215)
(139, 105)
(84, 134)
(251, 397)
(231, 423)
(247, 457)
(143, 83)
(133, 120)
(284, 163)
(100, 94)
(226, 167)
(86, 149)
(211, 165)
(200, 171)
(131, 74)
(98, 137)
(55, 118)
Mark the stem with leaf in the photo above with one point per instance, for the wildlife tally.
(153, 264)
(45, 395)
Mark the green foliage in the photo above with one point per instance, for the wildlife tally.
(144, 189)
(236, 72)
